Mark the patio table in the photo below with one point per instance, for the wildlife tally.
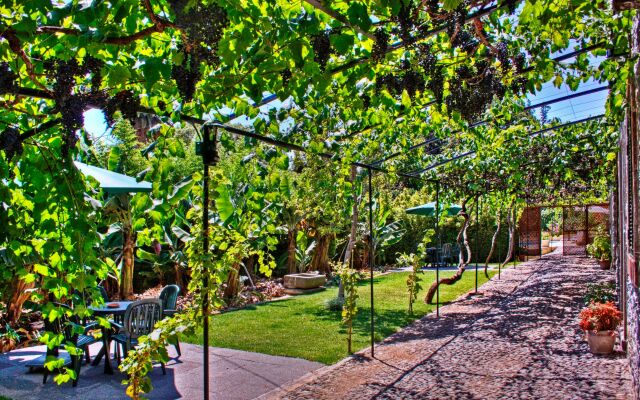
(106, 333)
(434, 255)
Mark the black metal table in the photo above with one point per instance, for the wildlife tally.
(106, 333)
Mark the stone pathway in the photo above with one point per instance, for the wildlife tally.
(235, 375)
(518, 341)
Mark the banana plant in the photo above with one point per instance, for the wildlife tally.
(385, 233)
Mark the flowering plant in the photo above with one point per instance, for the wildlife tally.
(600, 317)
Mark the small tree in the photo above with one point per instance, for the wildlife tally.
(413, 280)
(349, 278)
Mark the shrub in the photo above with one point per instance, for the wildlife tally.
(600, 317)
(600, 293)
(334, 304)
(601, 247)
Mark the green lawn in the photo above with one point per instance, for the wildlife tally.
(302, 327)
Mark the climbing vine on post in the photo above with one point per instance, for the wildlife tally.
(413, 279)
(349, 278)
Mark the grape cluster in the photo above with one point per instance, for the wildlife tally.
(520, 62)
(380, 46)
(436, 84)
(412, 82)
(11, 143)
(63, 74)
(203, 24)
(7, 79)
(94, 66)
(519, 85)
(433, 6)
(409, 80)
(471, 95)
(465, 40)
(69, 104)
(187, 75)
(456, 19)
(426, 59)
(321, 49)
(285, 75)
(511, 5)
(405, 20)
(366, 101)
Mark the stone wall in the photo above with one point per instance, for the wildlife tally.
(627, 235)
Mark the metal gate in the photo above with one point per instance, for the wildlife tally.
(529, 233)
(580, 224)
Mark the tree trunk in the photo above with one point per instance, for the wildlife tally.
(464, 244)
(348, 253)
(511, 222)
(128, 248)
(493, 243)
(20, 292)
(233, 281)
(320, 260)
(291, 251)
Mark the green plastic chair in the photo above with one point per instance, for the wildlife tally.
(64, 325)
(169, 298)
(139, 320)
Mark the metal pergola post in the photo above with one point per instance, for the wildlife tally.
(371, 261)
(438, 246)
(516, 236)
(209, 157)
(478, 198)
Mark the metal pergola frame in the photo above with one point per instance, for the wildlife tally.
(210, 140)
(210, 158)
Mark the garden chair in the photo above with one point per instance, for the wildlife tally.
(169, 299)
(103, 293)
(64, 325)
(139, 320)
(446, 258)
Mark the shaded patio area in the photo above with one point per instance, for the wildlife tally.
(520, 340)
(234, 375)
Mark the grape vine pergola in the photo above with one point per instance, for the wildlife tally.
(379, 81)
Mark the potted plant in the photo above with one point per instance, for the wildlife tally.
(545, 239)
(600, 249)
(599, 321)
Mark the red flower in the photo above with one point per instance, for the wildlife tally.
(600, 317)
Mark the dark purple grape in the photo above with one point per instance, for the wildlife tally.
(321, 49)
(8, 79)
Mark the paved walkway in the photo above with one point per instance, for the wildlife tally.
(518, 341)
(234, 375)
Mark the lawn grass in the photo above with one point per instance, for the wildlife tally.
(302, 327)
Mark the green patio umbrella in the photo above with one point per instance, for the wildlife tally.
(429, 209)
(113, 182)
(118, 187)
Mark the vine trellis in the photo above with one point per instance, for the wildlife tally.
(367, 80)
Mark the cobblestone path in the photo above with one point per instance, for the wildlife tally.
(518, 341)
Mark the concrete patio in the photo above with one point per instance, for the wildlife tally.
(234, 375)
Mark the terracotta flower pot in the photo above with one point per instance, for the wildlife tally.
(604, 264)
(601, 342)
